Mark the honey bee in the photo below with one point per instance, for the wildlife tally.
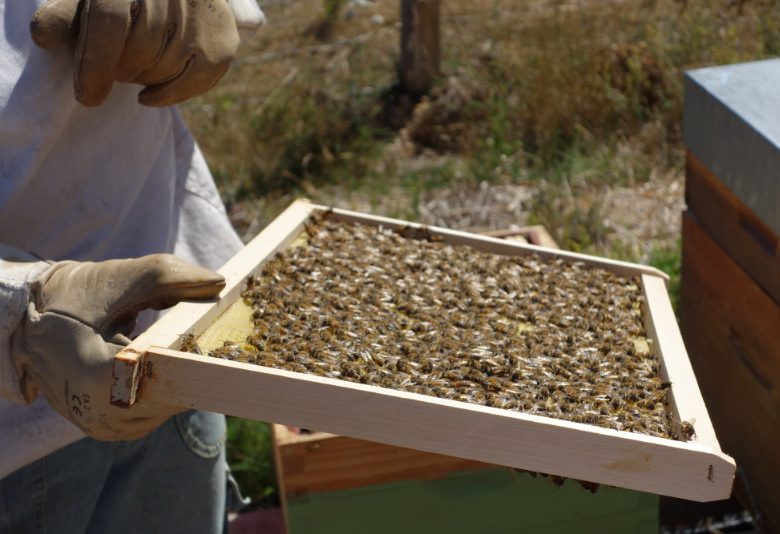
(687, 432)
(590, 486)
(230, 351)
(188, 344)
(401, 309)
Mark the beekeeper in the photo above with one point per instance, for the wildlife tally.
(106, 208)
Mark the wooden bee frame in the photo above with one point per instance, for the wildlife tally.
(150, 371)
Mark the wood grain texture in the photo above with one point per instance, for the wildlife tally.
(741, 234)
(321, 462)
(731, 329)
(443, 426)
(751, 318)
(194, 317)
(419, 63)
(676, 367)
(535, 235)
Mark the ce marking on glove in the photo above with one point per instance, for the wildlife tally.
(78, 405)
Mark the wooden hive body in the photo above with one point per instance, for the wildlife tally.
(730, 291)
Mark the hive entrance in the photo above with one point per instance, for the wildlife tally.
(404, 311)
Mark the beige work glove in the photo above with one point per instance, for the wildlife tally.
(176, 48)
(79, 316)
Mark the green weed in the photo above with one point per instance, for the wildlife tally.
(669, 259)
(250, 455)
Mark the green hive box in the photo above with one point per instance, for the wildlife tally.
(491, 501)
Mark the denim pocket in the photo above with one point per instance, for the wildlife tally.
(203, 432)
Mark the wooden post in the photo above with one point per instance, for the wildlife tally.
(419, 44)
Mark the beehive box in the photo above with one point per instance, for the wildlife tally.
(492, 501)
(313, 462)
(149, 370)
(335, 484)
(488, 502)
(730, 294)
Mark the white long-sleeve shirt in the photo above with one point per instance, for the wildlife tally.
(120, 180)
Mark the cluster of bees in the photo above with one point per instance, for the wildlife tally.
(402, 310)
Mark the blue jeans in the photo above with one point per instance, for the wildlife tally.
(171, 481)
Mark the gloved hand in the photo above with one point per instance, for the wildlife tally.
(176, 48)
(79, 316)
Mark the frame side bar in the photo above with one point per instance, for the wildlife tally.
(675, 364)
(497, 245)
(194, 317)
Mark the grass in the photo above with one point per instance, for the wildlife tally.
(250, 455)
(574, 99)
(668, 259)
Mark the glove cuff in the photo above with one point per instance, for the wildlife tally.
(248, 16)
(17, 271)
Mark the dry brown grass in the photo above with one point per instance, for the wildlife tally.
(573, 98)
(587, 91)
(563, 96)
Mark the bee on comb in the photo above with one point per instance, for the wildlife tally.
(401, 309)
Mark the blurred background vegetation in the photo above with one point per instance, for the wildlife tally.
(573, 107)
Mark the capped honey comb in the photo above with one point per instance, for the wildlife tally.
(402, 310)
